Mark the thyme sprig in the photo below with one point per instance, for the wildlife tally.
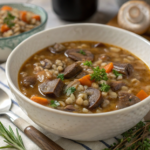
(12, 140)
(134, 139)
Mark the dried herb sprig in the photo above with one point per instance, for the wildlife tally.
(134, 139)
(12, 140)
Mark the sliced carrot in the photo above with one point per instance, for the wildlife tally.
(142, 95)
(7, 8)
(23, 16)
(109, 67)
(37, 17)
(86, 80)
(39, 100)
(4, 28)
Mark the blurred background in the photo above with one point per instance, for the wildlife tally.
(107, 9)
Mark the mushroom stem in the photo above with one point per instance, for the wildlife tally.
(135, 15)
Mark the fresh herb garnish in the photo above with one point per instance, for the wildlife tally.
(12, 140)
(116, 73)
(99, 74)
(134, 139)
(70, 90)
(54, 103)
(61, 76)
(8, 20)
(87, 63)
(130, 100)
(82, 52)
(104, 87)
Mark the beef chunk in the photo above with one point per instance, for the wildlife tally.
(29, 80)
(54, 87)
(99, 45)
(95, 97)
(116, 85)
(81, 74)
(104, 57)
(126, 99)
(69, 108)
(72, 70)
(125, 69)
(46, 64)
(57, 48)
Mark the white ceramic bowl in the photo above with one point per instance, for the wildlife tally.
(85, 127)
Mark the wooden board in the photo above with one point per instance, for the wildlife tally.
(114, 23)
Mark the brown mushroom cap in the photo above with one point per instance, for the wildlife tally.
(95, 97)
(76, 55)
(135, 16)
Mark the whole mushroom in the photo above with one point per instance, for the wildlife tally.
(135, 16)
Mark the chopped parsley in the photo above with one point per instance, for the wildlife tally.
(87, 63)
(61, 76)
(82, 52)
(130, 100)
(104, 87)
(54, 103)
(116, 73)
(99, 74)
(70, 90)
(8, 20)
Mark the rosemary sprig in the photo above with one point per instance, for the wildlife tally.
(134, 139)
(13, 141)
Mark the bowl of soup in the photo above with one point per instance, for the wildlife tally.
(83, 82)
(17, 22)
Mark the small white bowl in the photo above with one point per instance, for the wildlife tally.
(76, 126)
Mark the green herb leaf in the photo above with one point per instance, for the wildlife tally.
(82, 52)
(54, 103)
(61, 76)
(8, 20)
(87, 63)
(130, 100)
(104, 87)
(99, 74)
(70, 90)
(116, 73)
(13, 141)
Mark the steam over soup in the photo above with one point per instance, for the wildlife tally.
(85, 77)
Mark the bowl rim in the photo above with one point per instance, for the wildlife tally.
(48, 109)
(26, 5)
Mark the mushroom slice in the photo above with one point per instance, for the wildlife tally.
(57, 48)
(29, 81)
(135, 16)
(80, 55)
(95, 97)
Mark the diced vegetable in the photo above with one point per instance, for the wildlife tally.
(37, 17)
(6, 8)
(61, 76)
(142, 95)
(87, 63)
(99, 74)
(104, 87)
(70, 90)
(109, 67)
(116, 73)
(39, 100)
(82, 52)
(86, 80)
(23, 16)
(54, 103)
(4, 28)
